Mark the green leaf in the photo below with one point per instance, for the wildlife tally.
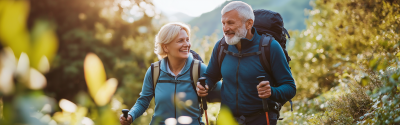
(397, 119)
(364, 81)
(373, 64)
(225, 117)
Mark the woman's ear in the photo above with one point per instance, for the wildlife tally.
(164, 47)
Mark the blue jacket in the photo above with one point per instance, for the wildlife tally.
(239, 86)
(172, 100)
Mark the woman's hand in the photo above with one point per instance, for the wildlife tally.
(201, 91)
(125, 121)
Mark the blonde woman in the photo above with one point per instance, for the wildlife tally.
(175, 95)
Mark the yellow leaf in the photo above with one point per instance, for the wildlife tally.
(364, 81)
(95, 75)
(398, 55)
(373, 64)
(225, 117)
(13, 31)
(43, 65)
(8, 65)
(6, 81)
(106, 91)
(67, 106)
(382, 65)
(23, 68)
(45, 43)
(107, 117)
(37, 80)
(62, 117)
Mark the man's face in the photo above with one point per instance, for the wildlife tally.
(233, 26)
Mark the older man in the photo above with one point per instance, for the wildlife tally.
(241, 91)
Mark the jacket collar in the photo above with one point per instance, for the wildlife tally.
(163, 66)
(246, 43)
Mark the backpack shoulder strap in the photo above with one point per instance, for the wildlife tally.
(194, 76)
(155, 70)
(264, 47)
(196, 71)
(221, 47)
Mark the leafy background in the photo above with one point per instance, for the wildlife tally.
(82, 62)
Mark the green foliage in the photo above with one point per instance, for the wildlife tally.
(346, 53)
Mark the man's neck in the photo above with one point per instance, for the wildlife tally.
(249, 36)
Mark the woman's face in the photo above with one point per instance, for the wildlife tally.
(179, 47)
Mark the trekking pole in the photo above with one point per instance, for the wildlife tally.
(264, 101)
(125, 111)
(203, 99)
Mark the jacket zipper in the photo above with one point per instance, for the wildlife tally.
(237, 87)
(175, 92)
(175, 100)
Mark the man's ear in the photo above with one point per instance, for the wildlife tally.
(249, 24)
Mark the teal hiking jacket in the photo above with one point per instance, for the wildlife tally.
(239, 86)
(172, 100)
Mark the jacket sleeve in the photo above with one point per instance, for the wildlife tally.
(286, 88)
(146, 95)
(213, 72)
(214, 95)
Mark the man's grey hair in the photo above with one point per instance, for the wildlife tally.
(245, 11)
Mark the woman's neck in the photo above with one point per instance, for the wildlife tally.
(176, 65)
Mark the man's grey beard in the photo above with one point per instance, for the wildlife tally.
(241, 33)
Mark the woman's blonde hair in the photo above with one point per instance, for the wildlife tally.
(166, 34)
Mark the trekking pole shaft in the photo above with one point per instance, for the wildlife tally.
(202, 81)
(203, 99)
(205, 111)
(264, 101)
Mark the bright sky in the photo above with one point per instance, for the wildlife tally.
(190, 7)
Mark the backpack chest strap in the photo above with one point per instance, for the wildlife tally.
(173, 81)
(242, 55)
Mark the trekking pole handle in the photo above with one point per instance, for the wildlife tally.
(264, 101)
(125, 112)
(202, 81)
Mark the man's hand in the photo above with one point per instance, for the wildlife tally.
(264, 89)
(201, 91)
(125, 121)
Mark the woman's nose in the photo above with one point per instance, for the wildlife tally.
(187, 43)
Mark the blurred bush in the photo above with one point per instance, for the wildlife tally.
(345, 62)
(47, 75)
(52, 38)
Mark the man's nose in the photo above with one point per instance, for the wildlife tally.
(225, 28)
